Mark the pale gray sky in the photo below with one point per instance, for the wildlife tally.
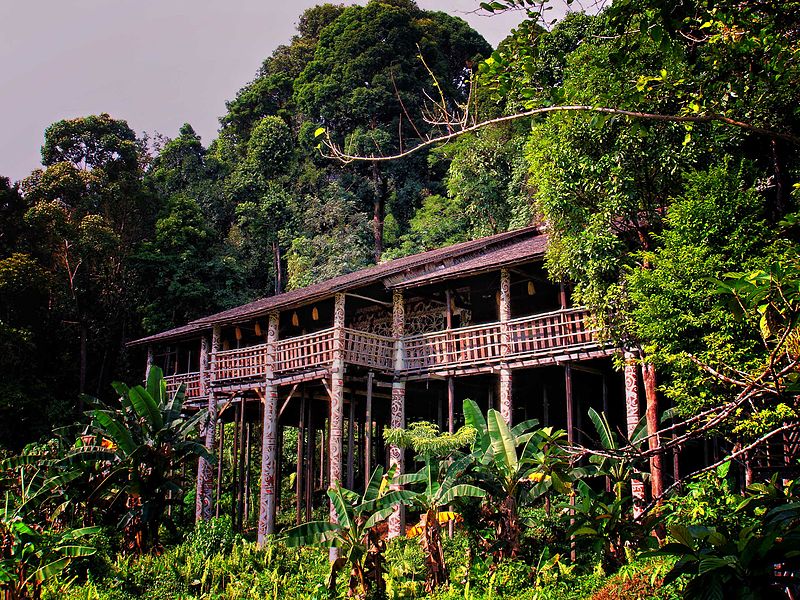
(155, 63)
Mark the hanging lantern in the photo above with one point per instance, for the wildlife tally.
(295, 319)
(238, 334)
(226, 345)
(258, 329)
(531, 288)
(315, 314)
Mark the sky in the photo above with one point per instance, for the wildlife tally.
(155, 63)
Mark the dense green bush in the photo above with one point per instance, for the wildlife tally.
(214, 536)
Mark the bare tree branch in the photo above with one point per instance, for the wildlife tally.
(337, 153)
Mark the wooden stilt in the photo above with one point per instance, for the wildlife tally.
(632, 421)
(570, 440)
(504, 309)
(570, 403)
(368, 430)
(351, 444)
(247, 456)
(278, 472)
(299, 472)
(235, 465)
(243, 454)
(651, 413)
(220, 458)
(205, 471)
(398, 409)
(336, 405)
(545, 406)
(311, 438)
(267, 493)
(322, 431)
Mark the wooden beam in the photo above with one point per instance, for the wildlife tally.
(285, 402)
(368, 299)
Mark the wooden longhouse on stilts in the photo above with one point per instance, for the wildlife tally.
(407, 339)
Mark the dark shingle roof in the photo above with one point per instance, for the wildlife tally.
(513, 254)
(441, 263)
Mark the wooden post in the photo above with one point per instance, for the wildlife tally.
(570, 403)
(247, 495)
(651, 413)
(632, 420)
(351, 443)
(451, 391)
(219, 467)
(266, 521)
(311, 440)
(298, 478)
(368, 431)
(237, 417)
(240, 513)
(337, 404)
(205, 478)
(570, 440)
(151, 359)
(398, 409)
(506, 401)
(278, 471)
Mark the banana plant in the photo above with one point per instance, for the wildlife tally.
(441, 482)
(354, 532)
(139, 449)
(31, 553)
(504, 463)
(618, 469)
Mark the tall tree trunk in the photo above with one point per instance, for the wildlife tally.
(651, 413)
(378, 209)
(276, 259)
(782, 182)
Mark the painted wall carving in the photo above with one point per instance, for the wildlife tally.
(421, 316)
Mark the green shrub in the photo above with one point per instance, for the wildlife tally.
(405, 568)
(213, 536)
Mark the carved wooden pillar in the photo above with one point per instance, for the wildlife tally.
(266, 519)
(149, 364)
(633, 414)
(337, 405)
(398, 406)
(205, 472)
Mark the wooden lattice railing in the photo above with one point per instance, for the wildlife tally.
(304, 352)
(192, 381)
(545, 334)
(241, 363)
(538, 335)
(463, 346)
(368, 349)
